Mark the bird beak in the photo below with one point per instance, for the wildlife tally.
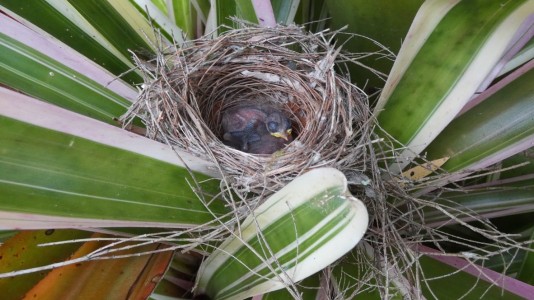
(283, 135)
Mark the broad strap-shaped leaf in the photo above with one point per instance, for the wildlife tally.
(24, 68)
(301, 229)
(61, 170)
(284, 11)
(491, 203)
(222, 12)
(61, 20)
(384, 22)
(449, 53)
(179, 14)
(497, 128)
(184, 15)
(519, 168)
(120, 23)
(42, 42)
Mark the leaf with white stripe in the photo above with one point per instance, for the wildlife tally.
(500, 126)
(301, 229)
(25, 69)
(438, 72)
(60, 169)
(61, 20)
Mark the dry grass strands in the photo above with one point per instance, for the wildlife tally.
(186, 90)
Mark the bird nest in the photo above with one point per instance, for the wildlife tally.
(187, 89)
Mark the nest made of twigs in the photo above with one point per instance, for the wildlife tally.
(187, 88)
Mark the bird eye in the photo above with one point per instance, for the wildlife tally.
(272, 126)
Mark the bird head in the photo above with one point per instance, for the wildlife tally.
(279, 126)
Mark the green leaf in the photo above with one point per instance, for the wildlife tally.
(91, 174)
(498, 127)
(242, 9)
(25, 69)
(120, 23)
(202, 9)
(482, 204)
(525, 274)
(442, 64)
(301, 229)
(7, 234)
(50, 173)
(383, 21)
(520, 167)
(285, 10)
(245, 11)
(165, 23)
(224, 12)
(69, 28)
(312, 14)
(183, 16)
(161, 5)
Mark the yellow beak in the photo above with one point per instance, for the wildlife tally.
(283, 135)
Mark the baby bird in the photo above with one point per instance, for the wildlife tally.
(257, 129)
(268, 143)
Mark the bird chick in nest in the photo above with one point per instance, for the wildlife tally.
(257, 129)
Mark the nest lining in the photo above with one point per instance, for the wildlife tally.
(188, 88)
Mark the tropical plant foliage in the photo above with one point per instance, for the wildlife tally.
(458, 103)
